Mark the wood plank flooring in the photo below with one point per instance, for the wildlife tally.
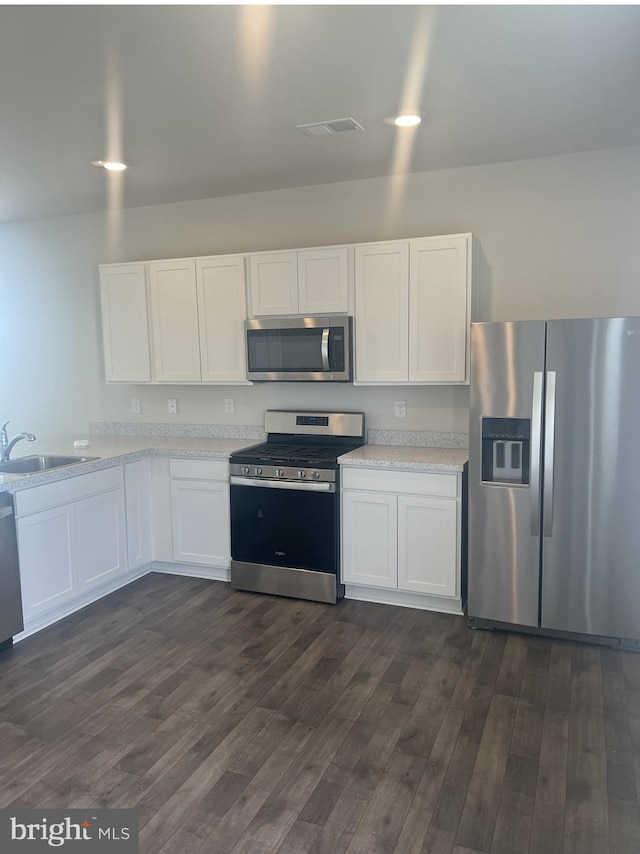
(245, 724)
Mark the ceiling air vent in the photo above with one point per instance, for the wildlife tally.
(326, 128)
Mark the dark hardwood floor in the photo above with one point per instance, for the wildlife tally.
(242, 723)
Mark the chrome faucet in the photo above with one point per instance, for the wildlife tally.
(6, 445)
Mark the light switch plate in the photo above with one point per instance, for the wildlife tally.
(136, 406)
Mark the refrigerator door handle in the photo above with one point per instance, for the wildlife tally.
(536, 436)
(549, 452)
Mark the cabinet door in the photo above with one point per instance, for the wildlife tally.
(427, 545)
(381, 315)
(438, 310)
(274, 283)
(48, 559)
(369, 539)
(323, 281)
(137, 493)
(101, 538)
(125, 325)
(200, 522)
(174, 318)
(222, 311)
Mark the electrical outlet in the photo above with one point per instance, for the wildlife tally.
(400, 408)
(135, 405)
(172, 403)
(229, 405)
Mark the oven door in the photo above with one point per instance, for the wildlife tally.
(284, 524)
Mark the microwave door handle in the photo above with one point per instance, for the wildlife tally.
(324, 349)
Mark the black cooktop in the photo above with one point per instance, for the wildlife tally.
(297, 450)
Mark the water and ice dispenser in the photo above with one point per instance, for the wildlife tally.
(506, 450)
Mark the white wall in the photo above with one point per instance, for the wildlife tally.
(558, 238)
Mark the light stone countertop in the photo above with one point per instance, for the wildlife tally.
(408, 458)
(115, 450)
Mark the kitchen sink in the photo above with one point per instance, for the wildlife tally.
(35, 464)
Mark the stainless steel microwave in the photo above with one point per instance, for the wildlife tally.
(299, 349)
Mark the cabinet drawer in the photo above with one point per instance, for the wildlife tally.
(200, 469)
(71, 489)
(409, 483)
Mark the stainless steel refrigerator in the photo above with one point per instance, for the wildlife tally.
(554, 477)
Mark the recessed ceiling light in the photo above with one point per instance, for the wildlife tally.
(407, 121)
(111, 165)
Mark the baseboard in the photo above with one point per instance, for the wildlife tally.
(219, 573)
(38, 623)
(193, 570)
(403, 599)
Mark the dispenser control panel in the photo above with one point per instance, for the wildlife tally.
(506, 450)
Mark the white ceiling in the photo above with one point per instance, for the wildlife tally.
(204, 101)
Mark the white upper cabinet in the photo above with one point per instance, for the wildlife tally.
(221, 314)
(125, 330)
(307, 282)
(413, 310)
(439, 319)
(182, 320)
(174, 317)
(191, 327)
(323, 281)
(274, 283)
(381, 315)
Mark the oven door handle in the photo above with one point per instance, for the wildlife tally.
(307, 486)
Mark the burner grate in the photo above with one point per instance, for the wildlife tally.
(292, 453)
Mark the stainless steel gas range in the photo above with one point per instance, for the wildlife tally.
(285, 505)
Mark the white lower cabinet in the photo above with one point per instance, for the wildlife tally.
(48, 559)
(137, 493)
(80, 537)
(427, 545)
(200, 512)
(101, 538)
(370, 538)
(71, 538)
(401, 532)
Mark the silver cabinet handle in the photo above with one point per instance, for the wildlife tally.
(536, 437)
(549, 452)
(324, 349)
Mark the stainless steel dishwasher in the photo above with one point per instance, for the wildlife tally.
(10, 596)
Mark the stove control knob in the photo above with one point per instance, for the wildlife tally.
(279, 472)
(245, 469)
(316, 475)
(302, 474)
(258, 470)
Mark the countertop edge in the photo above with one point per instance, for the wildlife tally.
(392, 457)
(407, 458)
(15, 482)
